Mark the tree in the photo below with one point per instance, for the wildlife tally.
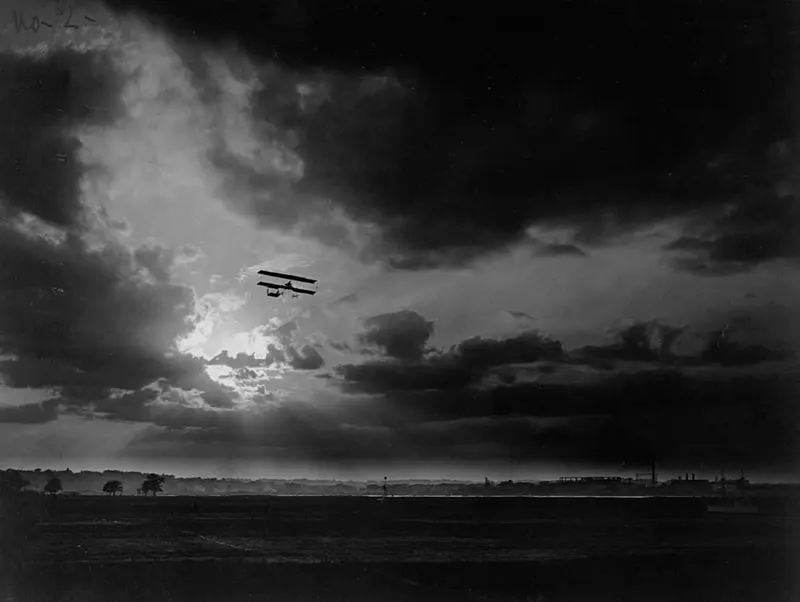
(113, 487)
(11, 481)
(53, 486)
(153, 483)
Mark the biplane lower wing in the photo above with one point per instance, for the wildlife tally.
(288, 288)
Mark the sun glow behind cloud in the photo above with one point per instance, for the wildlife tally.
(211, 312)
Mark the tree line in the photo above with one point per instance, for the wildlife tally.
(12, 481)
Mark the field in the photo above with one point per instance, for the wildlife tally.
(356, 548)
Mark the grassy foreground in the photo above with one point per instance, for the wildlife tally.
(262, 548)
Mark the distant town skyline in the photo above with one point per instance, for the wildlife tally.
(466, 475)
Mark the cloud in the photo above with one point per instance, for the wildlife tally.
(458, 367)
(530, 346)
(444, 170)
(401, 335)
(721, 350)
(521, 315)
(526, 397)
(382, 376)
(543, 249)
(83, 312)
(655, 342)
(343, 301)
(308, 358)
(755, 231)
(448, 406)
(666, 417)
(242, 360)
(157, 260)
(286, 353)
(47, 97)
(30, 413)
(650, 341)
(110, 325)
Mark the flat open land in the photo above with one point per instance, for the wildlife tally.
(357, 548)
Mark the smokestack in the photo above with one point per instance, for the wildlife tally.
(692, 476)
(654, 473)
(687, 476)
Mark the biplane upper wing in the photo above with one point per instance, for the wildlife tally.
(287, 276)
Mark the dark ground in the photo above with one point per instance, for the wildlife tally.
(339, 548)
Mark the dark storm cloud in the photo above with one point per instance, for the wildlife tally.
(455, 132)
(476, 400)
(382, 376)
(774, 325)
(308, 358)
(130, 407)
(401, 335)
(652, 341)
(531, 346)
(274, 355)
(162, 405)
(32, 413)
(41, 98)
(220, 396)
(106, 328)
(242, 360)
(761, 229)
(521, 315)
(556, 250)
(285, 331)
(649, 341)
(455, 368)
(404, 335)
(721, 350)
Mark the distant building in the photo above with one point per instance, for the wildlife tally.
(645, 479)
(589, 480)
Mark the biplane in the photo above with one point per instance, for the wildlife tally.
(277, 290)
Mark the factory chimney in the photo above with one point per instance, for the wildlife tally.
(654, 473)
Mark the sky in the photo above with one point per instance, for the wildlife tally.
(548, 240)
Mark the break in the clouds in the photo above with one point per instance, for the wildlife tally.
(495, 223)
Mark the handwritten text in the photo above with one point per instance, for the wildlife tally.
(35, 23)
